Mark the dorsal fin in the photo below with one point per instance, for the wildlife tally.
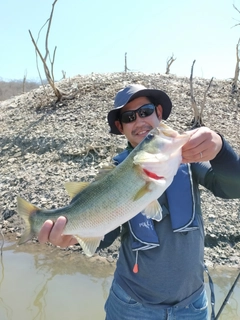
(73, 188)
(104, 170)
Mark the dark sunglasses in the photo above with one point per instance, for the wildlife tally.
(144, 111)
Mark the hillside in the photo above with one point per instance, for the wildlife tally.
(9, 89)
(43, 145)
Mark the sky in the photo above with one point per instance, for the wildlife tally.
(94, 35)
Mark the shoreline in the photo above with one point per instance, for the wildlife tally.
(109, 255)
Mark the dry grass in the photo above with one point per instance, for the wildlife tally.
(9, 89)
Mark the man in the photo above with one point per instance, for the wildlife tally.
(164, 281)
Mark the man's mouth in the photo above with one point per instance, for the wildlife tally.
(141, 131)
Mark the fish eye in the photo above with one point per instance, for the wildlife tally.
(149, 136)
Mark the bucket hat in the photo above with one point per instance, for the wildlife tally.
(131, 92)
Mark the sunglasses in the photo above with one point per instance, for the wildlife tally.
(144, 111)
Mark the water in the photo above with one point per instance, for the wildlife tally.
(223, 279)
(45, 283)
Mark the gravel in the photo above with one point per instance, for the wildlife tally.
(43, 144)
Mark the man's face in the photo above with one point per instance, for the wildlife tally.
(137, 130)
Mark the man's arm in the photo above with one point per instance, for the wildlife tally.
(217, 165)
(223, 178)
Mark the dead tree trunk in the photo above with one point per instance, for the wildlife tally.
(197, 115)
(169, 63)
(125, 65)
(236, 73)
(24, 81)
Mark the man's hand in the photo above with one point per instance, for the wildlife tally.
(204, 144)
(52, 232)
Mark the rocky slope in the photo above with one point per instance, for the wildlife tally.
(43, 145)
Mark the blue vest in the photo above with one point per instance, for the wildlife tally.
(181, 208)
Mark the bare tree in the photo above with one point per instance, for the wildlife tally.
(24, 81)
(197, 120)
(169, 63)
(48, 70)
(236, 73)
(125, 65)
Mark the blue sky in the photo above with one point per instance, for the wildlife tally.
(93, 36)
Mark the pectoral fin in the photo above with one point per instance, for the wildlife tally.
(153, 211)
(89, 245)
(145, 189)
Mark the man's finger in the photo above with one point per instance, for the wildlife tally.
(57, 230)
(45, 231)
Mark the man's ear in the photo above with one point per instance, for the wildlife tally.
(119, 126)
(159, 111)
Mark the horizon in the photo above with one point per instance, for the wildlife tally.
(45, 81)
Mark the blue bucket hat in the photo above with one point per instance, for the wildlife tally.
(134, 91)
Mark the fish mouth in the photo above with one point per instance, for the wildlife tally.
(153, 175)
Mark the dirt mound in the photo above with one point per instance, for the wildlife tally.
(43, 145)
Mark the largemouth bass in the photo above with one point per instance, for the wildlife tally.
(131, 187)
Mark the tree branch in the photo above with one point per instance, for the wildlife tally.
(193, 101)
(204, 99)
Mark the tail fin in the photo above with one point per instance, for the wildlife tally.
(26, 210)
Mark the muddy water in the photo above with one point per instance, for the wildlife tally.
(47, 284)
